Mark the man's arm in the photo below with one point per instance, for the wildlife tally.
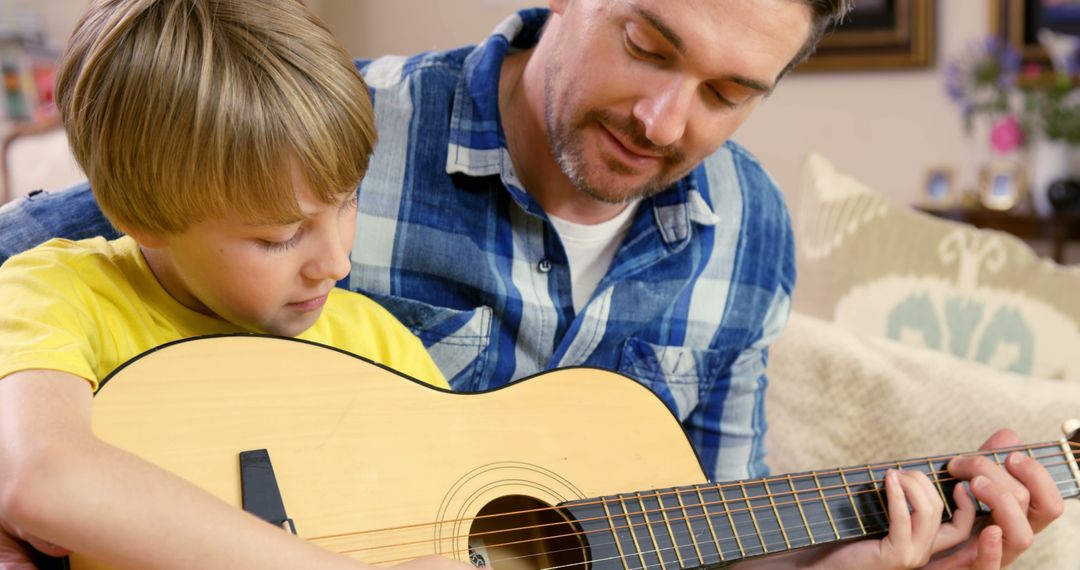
(71, 214)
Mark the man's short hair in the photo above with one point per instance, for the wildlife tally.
(185, 110)
(826, 14)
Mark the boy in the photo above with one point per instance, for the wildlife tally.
(226, 139)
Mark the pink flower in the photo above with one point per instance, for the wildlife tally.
(1006, 135)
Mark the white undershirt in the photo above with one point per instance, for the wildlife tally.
(590, 248)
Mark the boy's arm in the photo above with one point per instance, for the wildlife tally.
(62, 485)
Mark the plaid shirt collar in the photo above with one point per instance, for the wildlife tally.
(477, 146)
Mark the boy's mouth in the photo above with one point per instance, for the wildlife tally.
(312, 304)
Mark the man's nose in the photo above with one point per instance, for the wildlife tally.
(665, 112)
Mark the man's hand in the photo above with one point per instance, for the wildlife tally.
(1023, 500)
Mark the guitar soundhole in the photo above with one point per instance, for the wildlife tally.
(522, 533)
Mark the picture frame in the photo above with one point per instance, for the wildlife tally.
(1018, 21)
(939, 189)
(878, 35)
(1003, 186)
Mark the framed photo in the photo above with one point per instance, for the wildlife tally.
(1018, 22)
(876, 35)
(1003, 186)
(939, 191)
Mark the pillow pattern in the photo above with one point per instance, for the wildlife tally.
(886, 270)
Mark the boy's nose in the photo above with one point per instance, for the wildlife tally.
(330, 261)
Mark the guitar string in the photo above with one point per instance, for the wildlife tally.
(737, 538)
(746, 500)
(873, 488)
(1054, 447)
(724, 545)
(737, 486)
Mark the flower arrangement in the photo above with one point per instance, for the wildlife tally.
(982, 82)
(987, 82)
(1051, 106)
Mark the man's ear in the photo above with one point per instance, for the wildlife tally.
(558, 6)
(145, 238)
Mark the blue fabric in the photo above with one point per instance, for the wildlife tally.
(450, 243)
(72, 214)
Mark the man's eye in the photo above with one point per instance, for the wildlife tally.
(639, 51)
(720, 98)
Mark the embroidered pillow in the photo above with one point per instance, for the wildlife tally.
(886, 270)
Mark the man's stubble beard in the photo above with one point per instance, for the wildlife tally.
(568, 147)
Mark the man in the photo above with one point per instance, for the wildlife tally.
(564, 195)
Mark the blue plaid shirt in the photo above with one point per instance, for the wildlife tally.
(458, 250)
(449, 241)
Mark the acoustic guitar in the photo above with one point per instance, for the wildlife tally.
(571, 469)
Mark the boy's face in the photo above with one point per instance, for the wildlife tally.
(271, 279)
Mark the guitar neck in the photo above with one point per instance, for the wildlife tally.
(709, 524)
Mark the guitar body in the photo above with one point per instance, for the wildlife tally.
(368, 462)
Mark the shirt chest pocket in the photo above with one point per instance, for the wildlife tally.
(458, 340)
(677, 374)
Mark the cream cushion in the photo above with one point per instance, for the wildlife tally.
(887, 270)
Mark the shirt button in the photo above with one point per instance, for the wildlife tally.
(544, 266)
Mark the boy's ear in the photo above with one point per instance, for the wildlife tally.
(145, 238)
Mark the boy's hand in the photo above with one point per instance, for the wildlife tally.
(911, 533)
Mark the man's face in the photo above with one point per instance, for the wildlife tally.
(638, 92)
(268, 278)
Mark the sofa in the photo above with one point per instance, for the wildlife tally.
(914, 336)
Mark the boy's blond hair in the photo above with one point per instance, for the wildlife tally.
(185, 110)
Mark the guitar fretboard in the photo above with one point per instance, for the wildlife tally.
(711, 524)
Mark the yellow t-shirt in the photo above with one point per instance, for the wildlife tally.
(87, 307)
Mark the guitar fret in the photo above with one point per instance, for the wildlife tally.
(731, 520)
(658, 549)
(690, 522)
(802, 513)
(631, 523)
(670, 531)
(854, 509)
(869, 497)
(811, 503)
(776, 513)
(709, 522)
(754, 510)
(825, 504)
(615, 533)
(933, 474)
(878, 490)
(792, 516)
(682, 528)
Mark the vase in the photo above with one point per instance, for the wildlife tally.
(1050, 161)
